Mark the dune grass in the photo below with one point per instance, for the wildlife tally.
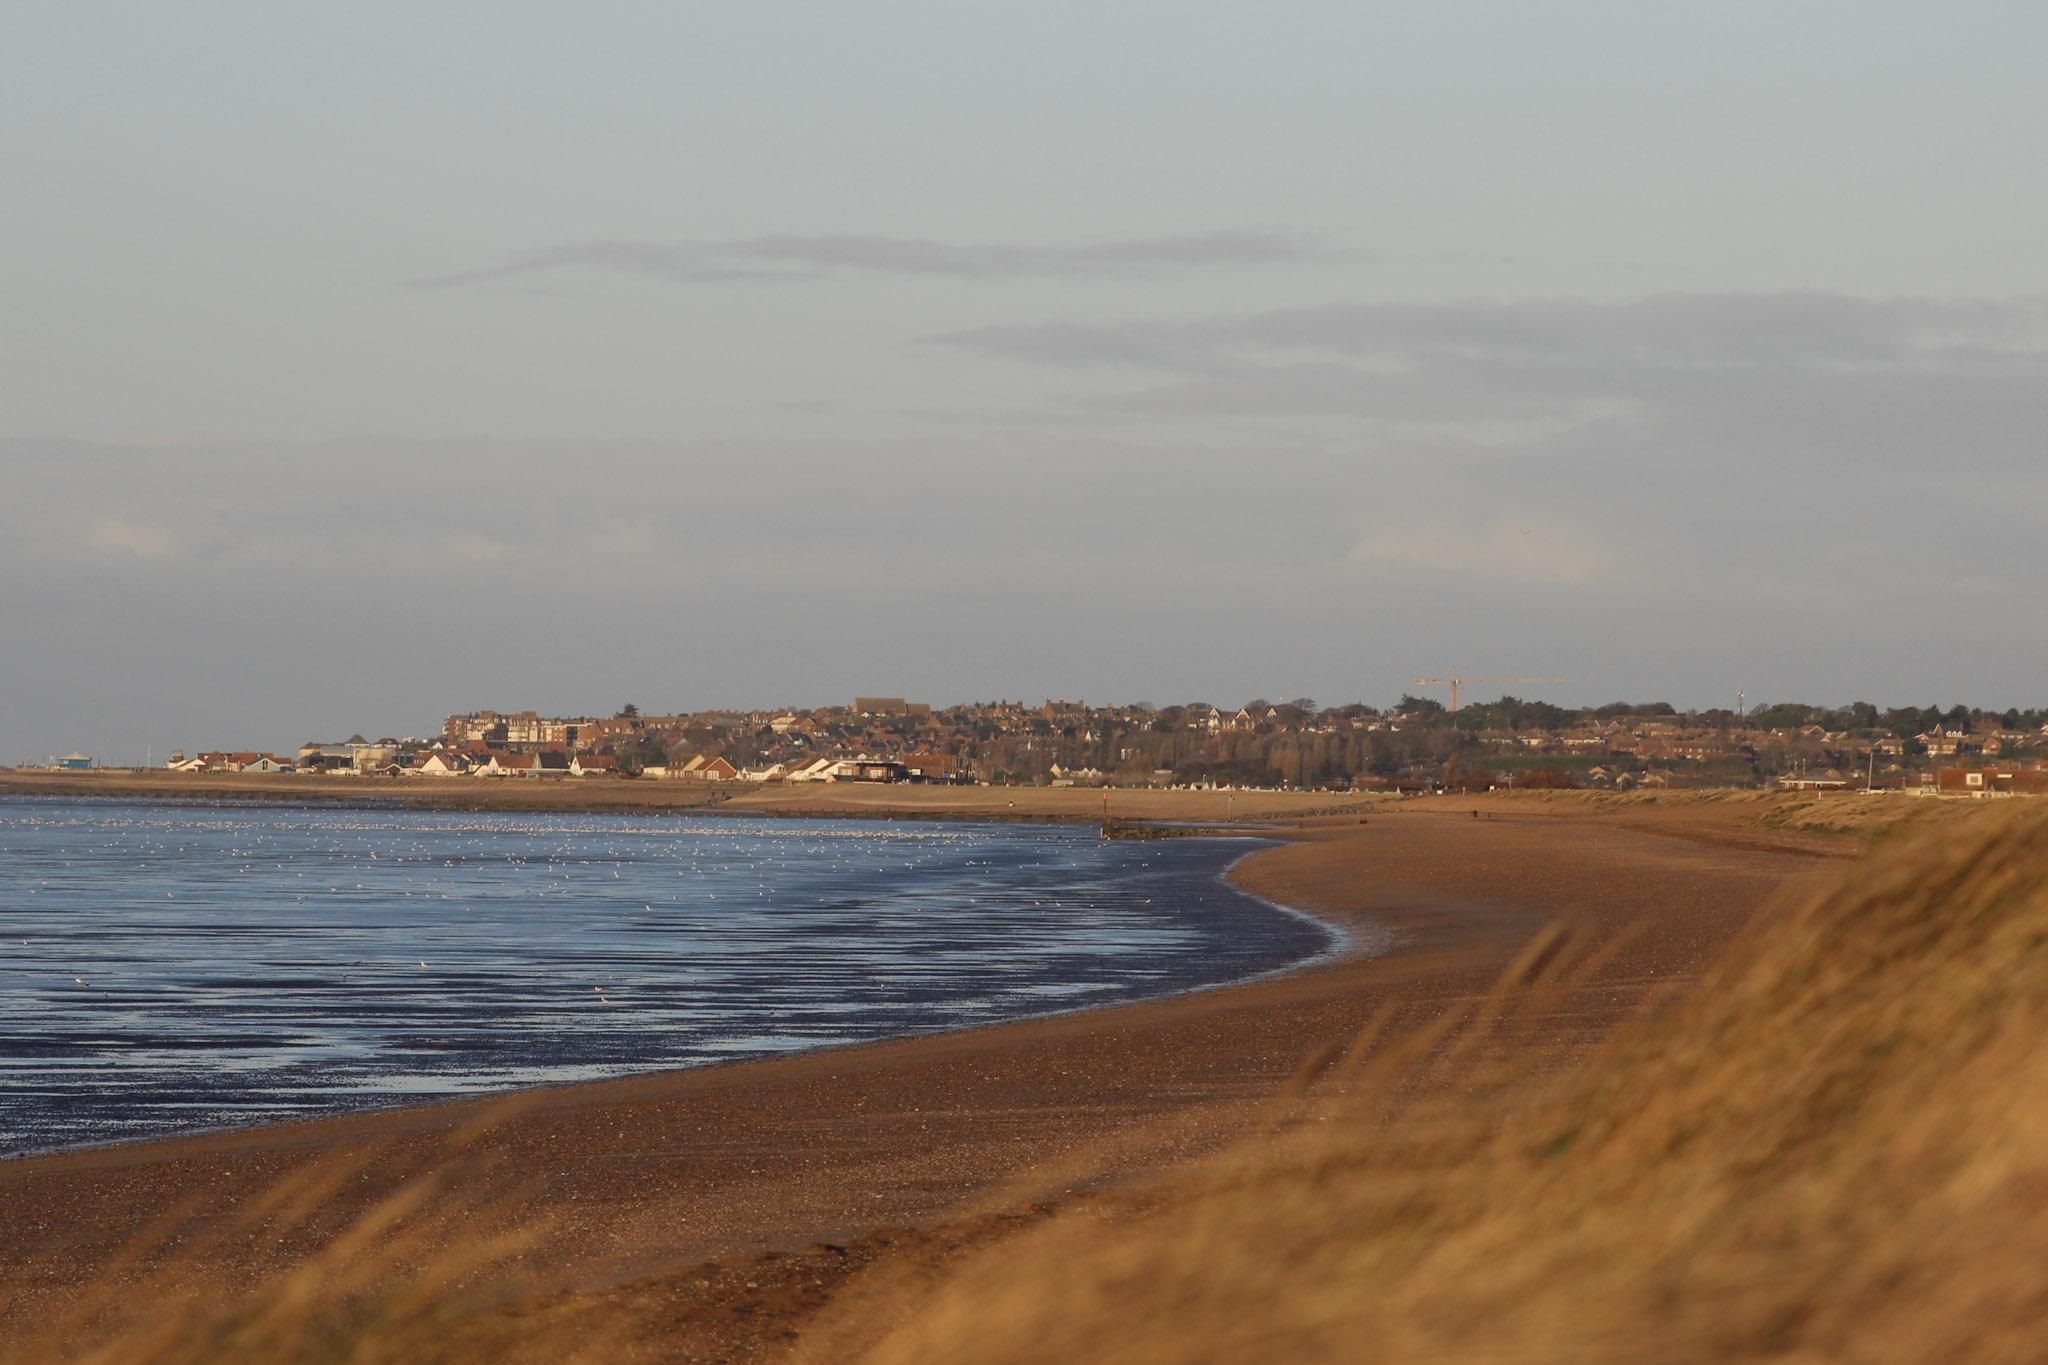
(1833, 1149)
(416, 1277)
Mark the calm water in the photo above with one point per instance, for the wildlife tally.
(167, 967)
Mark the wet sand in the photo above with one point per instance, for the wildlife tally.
(782, 1172)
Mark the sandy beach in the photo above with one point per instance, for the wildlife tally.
(707, 1214)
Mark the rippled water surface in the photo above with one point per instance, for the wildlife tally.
(174, 966)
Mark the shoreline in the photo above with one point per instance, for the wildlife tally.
(646, 1179)
(827, 800)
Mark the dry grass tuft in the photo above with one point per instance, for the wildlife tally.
(415, 1277)
(1863, 814)
(1833, 1149)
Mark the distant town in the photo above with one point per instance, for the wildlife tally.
(1417, 744)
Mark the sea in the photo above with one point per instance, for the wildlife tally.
(169, 967)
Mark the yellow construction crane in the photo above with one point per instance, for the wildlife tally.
(1454, 682)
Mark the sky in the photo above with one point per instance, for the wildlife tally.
(362, 364)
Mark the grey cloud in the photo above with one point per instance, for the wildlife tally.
(815, 257)
(1670, 329)
(644, 260)
(1748, 379)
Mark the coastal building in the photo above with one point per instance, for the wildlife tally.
(441, 763)
(933, 767)
(1990, 781)
(326, 757)
(707, 768)
(817, 770)
(1830, 781)
(870, 770)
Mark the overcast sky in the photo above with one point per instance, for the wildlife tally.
(363, 363)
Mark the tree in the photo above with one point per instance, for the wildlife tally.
(1458, 778)
(1784, 715)
(629, 712)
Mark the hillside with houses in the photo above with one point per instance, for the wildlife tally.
(1415, 745)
